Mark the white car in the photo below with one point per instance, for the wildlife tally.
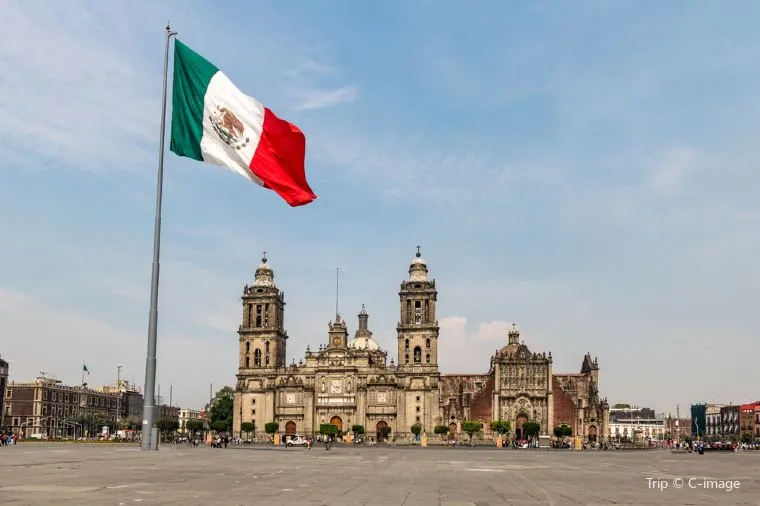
(297, 441)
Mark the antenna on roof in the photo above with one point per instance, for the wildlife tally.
(337, 292)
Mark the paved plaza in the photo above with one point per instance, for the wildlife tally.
(41, 473)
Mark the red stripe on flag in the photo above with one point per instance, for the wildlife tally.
(279, 160)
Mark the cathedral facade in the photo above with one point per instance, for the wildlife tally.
(348, 382)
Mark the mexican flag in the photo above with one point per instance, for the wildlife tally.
(214, 122)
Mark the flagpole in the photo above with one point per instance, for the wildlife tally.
(150, 360)
(83, 366)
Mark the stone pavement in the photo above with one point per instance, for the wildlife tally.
(42, 473)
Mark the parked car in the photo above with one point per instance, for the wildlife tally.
(296, 441)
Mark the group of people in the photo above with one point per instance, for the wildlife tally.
(8, 439)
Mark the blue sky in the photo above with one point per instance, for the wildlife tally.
(587, 170)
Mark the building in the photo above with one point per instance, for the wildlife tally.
(698, 420)
(47, 408)
(729, 417)
(350, 382)
(713, 421)
(167, 412)
(627, 429)
(129, 404)
(630, 412)
(3, 383)
(678, 428)
(187, 415)
(747, 420)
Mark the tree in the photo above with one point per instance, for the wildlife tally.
(247, 427)
(501, 427)
(441, 430)
(194, 426)
(470, 427)
(328, 429)
(220, 410)
(563, 431)
(166, 426)
(357, 429)
(271, 427)
(384, 432)
(416, 429)
(531, 429)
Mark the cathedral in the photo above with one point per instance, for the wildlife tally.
(348, 382)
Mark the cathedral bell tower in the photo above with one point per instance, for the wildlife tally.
(263, 339)
(338, 333)
(418, 327)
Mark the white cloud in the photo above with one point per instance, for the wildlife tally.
(669, 175)
(69, 95)
(323, 99)
(57, 339)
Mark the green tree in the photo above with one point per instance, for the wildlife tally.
(441, 430)
(357, 429)
(416, 429)
(501, 426)
(384, 432)
(220, 410)
(247, 427)
(471, 428)
(194, 426)
(531, 429)
(563, 430)
(271, 427)
(328, 429)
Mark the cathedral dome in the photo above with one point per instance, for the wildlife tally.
(418, 270)
(364, 343)
(264, 274)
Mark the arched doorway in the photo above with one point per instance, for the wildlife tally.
(336, 420)
(592, 433)
(381, 430)
(290, 428)
(519, 422)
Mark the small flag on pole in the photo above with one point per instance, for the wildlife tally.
(214, 122)
(84, 369)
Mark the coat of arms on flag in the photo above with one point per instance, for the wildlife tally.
(229, 127)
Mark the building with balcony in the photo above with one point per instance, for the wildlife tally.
(46, 408)
(188, 415)
(729, 418)
(713, 421)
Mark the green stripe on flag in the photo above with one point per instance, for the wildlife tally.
(192, 74)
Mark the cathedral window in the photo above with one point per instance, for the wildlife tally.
(406, 344)
(267, 361)
(266, 315)
(408, 310)
(266, 347)
(427, 343)
(247, 362)
(407, 359)
(417, 355)
(258, 315)
(247, 347)
(427, 358)
(257, 358)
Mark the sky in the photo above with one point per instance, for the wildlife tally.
(586, 170)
